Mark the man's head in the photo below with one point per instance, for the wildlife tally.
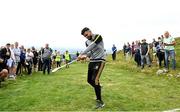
(33, 48)
(159, 39)
(8, 45)
(28, 50)
(143, 40)
(86, 32)
(46, 46)
(16, 44)
(166, 34)
(12, 46)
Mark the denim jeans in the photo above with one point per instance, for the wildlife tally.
(147, 60)
(170, 53)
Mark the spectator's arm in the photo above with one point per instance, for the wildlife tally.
(140, 50)
(148, 50)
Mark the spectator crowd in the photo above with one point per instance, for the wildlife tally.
(16, 60)
(160, 51)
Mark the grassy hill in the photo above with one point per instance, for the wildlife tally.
(125, 88)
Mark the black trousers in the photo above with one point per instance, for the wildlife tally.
(40, 65)
(29, 66)
(114, 56)
(94, 72)
(46, 64)
(161, 57)
(58, 63)
(137, 59)
(18, 70)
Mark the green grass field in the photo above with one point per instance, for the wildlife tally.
(125, 88)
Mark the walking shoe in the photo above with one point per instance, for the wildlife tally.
(99, 104)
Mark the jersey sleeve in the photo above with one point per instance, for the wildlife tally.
(96, 41)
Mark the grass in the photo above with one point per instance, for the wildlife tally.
(125, 88)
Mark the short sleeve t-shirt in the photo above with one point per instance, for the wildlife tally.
(169, 40)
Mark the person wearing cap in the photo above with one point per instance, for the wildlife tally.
(144, 51)
(169, 43)
(95, 51)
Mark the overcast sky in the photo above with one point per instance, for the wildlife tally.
(59, 22)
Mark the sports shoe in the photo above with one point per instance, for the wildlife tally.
(99, 104)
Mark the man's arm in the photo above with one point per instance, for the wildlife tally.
(148, 50)
(97, 40)
(172, 44)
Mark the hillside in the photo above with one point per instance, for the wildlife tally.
(125, 88)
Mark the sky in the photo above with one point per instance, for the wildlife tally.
(59, 22)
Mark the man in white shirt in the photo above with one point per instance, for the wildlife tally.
(169, 43)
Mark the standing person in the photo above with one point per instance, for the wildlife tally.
(77, 54)
(17, 53)
(58, 59)
(124, 49)
(35, 58)
(11, 64)
(40, 60)
(160, 51)
(129, 48)
(46, 56)
(144, 51)
(23, 58)
(169, 43)
(53, 63)
(67, 58)
(114, 50)
(132, 49)
(95, 50)
(29, 61)
(128, 51)
(137, 55)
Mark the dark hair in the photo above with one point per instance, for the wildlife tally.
(84, 30)
(8, 44)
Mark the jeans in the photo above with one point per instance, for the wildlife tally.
(170, 53)
(147, 59)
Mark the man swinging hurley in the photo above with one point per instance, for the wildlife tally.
(95, 51)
